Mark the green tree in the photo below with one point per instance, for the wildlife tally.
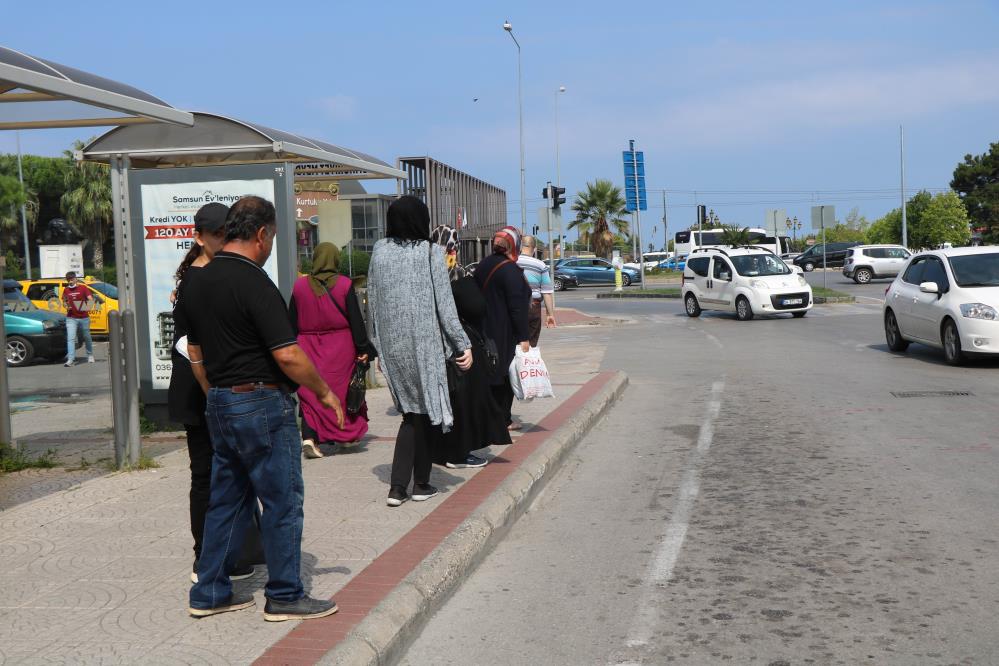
(734, 236)
(945, 220)
(87, 202)
(976, 181)
(600, 207)
(43, 176)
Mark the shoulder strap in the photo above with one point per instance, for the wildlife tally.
(489, 277)
(338, 306)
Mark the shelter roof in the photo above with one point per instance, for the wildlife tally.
(39, 94)
(215, 140)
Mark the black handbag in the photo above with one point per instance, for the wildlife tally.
(358, 386)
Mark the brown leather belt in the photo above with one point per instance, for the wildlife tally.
(250, 388)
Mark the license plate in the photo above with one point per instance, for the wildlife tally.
(791, 301)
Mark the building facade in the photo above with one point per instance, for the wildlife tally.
(473, 207)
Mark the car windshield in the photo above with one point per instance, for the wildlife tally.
(108, 290)
(756, 265)
(14, 300)
(976, 270)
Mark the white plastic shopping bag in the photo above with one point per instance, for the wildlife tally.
(529, 375)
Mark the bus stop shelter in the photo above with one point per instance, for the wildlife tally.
(161, 174)
(40, 94)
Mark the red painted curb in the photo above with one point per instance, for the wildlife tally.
(310, 640)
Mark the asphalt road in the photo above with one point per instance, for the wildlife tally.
(759, 495)
(44, 378)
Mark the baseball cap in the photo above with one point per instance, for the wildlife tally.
(210, 217)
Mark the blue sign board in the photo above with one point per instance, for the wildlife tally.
(634, 188)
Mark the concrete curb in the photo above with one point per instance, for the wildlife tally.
(636, 294)
(820, 300)
(390, 627)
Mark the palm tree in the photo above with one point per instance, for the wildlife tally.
(87, 201)
(735, 236)
(598, 209)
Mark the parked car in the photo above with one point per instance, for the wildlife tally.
(948, 299)
(867, 262)
(812, 258)
(674, 264)
(565, 280)
(744, 280)
(596, 271)
(31, 332)
(46, 294)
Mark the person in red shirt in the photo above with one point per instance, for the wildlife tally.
(79, 302)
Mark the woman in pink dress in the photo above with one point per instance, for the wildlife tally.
(331, 331)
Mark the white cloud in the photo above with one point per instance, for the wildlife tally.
(339, 107)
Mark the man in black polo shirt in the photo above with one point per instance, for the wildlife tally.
(244, 354)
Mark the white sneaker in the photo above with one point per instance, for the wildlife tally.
(90, 359)
(70, 363)
(310, 449)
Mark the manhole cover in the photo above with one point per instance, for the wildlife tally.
(931, 394)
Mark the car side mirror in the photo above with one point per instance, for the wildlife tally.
(726, 276)
(929, 288)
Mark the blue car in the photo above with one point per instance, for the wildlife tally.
(31, 332)
(591, 271)
(674, 264)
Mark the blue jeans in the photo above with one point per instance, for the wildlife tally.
(72, 326)
(258, 454)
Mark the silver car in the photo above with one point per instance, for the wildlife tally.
(867, 262)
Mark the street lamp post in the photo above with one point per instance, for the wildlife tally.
(520, 114)
(558, 170)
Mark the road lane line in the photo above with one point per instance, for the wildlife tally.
(662, 565)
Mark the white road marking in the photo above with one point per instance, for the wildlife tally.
(661, 567)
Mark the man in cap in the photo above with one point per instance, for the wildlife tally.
(245, 355)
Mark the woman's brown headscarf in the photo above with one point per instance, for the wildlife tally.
(325, 268)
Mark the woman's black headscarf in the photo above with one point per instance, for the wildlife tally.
(408, 220)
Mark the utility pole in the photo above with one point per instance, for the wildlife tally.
(901, 155)
(24, 215)
(665, 227)
(638, 215)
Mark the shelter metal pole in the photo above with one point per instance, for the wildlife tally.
(6, 432)
(132, 386)
(24, 214)
(117, 371)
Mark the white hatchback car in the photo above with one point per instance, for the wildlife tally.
(744, 280)
(947, 299)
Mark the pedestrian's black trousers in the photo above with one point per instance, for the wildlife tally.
(503, 393)
(413, 455)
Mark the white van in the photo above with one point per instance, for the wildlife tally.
(745, 280)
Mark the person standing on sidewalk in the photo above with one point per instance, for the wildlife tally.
(327, 318)
(507, 300)
(417, 332)
(478, 420)
(539, 279)
(245, 357)
(79, 302)
(185, 399)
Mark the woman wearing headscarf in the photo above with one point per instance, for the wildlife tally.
(327, 316)
(417, 331)
(478, 420)
(508, 299)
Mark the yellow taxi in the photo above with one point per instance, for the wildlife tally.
(47, 295)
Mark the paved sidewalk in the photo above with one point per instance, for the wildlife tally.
(95, 570)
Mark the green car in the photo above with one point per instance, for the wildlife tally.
(30, 332)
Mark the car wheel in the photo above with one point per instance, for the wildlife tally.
(743, 310)
(799, 315)
(19, 351)
(692, 306)
(862, 276)
(808, 267)
(893, 334)
(625, 279)
(558, 285)
(952, 344)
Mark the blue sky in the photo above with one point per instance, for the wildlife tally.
(751, 105)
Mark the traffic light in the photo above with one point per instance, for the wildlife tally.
(702, 216)
(554, 195)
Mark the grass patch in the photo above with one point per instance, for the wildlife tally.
(12, 460)
(829, 293)
(145, 462)
(657, 272)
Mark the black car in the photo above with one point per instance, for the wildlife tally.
(835, 255)
(565, 281)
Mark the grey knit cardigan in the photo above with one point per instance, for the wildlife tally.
(407, 330)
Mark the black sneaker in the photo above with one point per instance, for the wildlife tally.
(423, 491)
(236, 602)
(396, 496)
(305, 608)
(470, 461)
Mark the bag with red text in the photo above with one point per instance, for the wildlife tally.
(529, 375)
